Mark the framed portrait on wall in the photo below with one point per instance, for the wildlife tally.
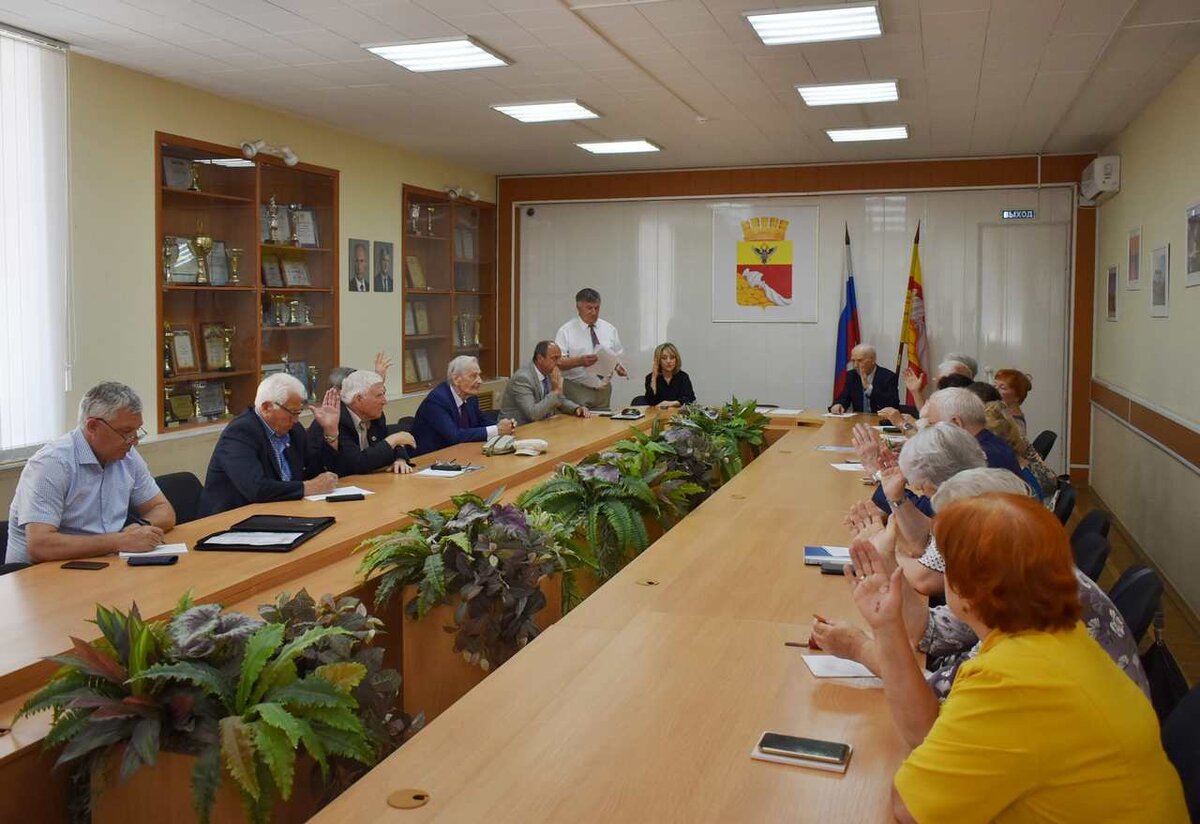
(1192, 245)
(360, 262)
(1111, 295)
(1160, 281)
(1133, 274)
(384, 278)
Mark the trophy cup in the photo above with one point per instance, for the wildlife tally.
(306, 314)
(195, 187)
(168, 415)
(429, 219)
(292, 208)
(293, 318)
(475, 319)
(314, 377)
(414, 217)
(168, 366)
(201, 245)
(227, 332)
(278, 309)
(170, 253)
(227, 391)
(234, 255)
(272, 221)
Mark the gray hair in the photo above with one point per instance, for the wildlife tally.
(587, 295)
(277, 388)
(864, 348)
(975, 482)
(938, 453)
(358, 382)
(959, 403)
(966, 360)
(105, 400)
(460, 365)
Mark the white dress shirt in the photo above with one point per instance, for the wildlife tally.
(574, 338)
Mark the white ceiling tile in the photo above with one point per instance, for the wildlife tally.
(1153, 12)
(1067, 53)
(955, 34)
(1092, 16)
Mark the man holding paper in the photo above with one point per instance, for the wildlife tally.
(591, 349)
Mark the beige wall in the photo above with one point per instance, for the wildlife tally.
(1152, 359)
(114, 115)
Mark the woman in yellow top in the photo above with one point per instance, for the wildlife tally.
(1041, 725)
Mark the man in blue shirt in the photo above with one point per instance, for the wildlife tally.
(74, 495)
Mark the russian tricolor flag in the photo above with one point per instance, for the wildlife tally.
(848, 334)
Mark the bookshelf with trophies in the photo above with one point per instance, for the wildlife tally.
(247, 277)
(449, 285)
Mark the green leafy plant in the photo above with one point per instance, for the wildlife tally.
(716, 436)
(647, 457)
(492, 557)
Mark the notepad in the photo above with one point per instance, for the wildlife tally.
(838, 414)
(163, 549)
(830, 666)
(829, 447)
(777, 411)
(429, 472)
(815, 555)
(341, 490)
(848, 467)
(253, 538)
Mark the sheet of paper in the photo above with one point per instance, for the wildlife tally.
(164, 549)
(832, 553)
(849, 467)
(607, 363)
(830, 666)
(429, 472)
(253, 539)
(779, 411)
(341, 490)
(838, 414)
(829, 447)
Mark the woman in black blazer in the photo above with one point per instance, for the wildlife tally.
(667, 384)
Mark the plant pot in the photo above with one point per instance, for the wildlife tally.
(434, 675)
(163, 793)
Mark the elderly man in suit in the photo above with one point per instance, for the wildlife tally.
(450, 413)
(535, 391)
(364, 444)
(869, 387)
(264, 454)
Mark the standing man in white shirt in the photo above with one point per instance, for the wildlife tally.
(580, 339)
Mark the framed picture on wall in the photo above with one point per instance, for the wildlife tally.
(1192, 247)
(1133, 275)
(1112, 293)
(384, 279)
(359, 265)
(1160, 281)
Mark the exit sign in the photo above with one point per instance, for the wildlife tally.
(1018, 214)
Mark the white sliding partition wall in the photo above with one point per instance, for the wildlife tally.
(998, 289)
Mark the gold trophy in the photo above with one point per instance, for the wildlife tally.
(292, 208)
(168, 416)
(168, 366)
(201, 246)
(234, 255)
(227, 332)
(195, 187)
(170, 253)
(227, 391)
(314, 376)
(278, 310)
(272, 221)
(293, 313)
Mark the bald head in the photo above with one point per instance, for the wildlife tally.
(863, 358)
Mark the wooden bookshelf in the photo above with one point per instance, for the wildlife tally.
(448, 280)
(231, 209)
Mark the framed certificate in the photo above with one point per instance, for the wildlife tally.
(210, 399)
(416, 272)
(212, 336)
(306, 228)
(272, 274)
(183, 349)
(218, 265)
(177, 172)
(295, 273)
(183, 262)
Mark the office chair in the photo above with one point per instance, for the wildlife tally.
(1044, 442)
(182, 490)
(1091, 551)
(1136, 595)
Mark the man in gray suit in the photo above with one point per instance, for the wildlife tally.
(534, 392)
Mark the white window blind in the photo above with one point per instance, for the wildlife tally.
(34, 246)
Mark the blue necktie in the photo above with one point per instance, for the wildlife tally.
(545, 386)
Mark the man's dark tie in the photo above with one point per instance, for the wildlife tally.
(545, 385)
(592, 329)
(463, 421)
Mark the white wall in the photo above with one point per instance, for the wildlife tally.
(652, 262)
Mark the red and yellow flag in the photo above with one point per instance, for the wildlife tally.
(914, 341)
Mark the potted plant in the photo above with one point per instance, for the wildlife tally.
(731, 435)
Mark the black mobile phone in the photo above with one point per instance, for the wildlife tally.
(833, 568)
(84, 565)
(890, 430)
(153, 560)
(352, 496)
(804, 749)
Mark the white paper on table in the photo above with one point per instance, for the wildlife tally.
(607, 363)
(341, 490)
(253, 539)
(830, 666)
(430, 472)
(838, 414)
(777, 411)
(829, 447)
(162, 549)
(849, 467)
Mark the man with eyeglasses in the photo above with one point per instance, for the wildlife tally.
(264, 454)
(74, 495)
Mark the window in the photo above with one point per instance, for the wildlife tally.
(34, 245)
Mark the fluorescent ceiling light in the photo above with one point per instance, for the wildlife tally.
(229, 162)
(446, 54)
(816, 24)
(841, 94)
(857, 135)
(546, 112)
(619, 147)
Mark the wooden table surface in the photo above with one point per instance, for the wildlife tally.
(644, 702)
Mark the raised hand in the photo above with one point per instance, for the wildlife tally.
(893, 482)
(867, 445)
(912, 380)
(556, 380)
(382, 364)
(329, 413)
(878, 595)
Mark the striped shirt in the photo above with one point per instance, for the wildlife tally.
(64, 485)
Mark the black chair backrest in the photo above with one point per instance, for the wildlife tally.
(1044, 442)
(3, 540)
(1181, 741)
(1091, 551)
(1098, 520)
(7, 568)
(405, 424)
(1136, 595)
(183, 491)
(1064, 504)
(640, 400)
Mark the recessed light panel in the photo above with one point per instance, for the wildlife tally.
(859, 135)
(619, 147)
(448, 54)
(546, 112)
(843, 94)
(816, 24)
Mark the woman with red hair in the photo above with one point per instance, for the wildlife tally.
(1014, 387)
(1041, 725)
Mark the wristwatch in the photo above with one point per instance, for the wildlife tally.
(897, 503)
(331, 440)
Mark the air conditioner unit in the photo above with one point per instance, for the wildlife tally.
(1101, 179)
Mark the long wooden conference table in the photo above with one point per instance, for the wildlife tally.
(641, 704)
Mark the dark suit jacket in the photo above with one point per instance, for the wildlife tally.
(380, 286)
(436, 425)
(243, 469)
(351, 460)
(884, 392)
